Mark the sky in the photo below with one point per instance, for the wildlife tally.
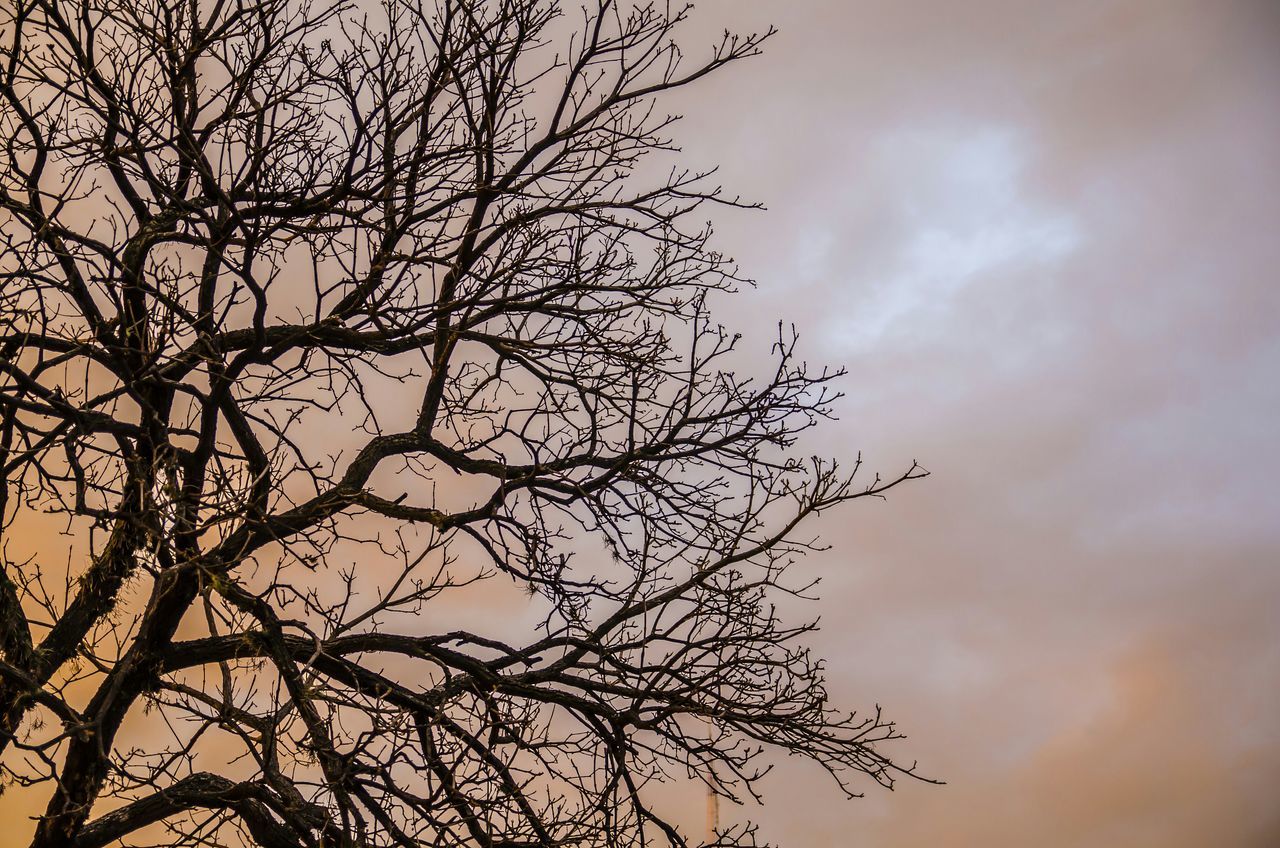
(1042, 238)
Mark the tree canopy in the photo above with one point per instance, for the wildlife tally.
(320, 321)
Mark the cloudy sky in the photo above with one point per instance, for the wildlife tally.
(1043, 238)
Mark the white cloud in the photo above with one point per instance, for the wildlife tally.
(957, 198)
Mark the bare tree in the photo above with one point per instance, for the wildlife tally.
(320, 320)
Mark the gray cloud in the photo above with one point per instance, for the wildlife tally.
(1041, 237)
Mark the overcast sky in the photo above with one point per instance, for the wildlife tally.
(1043, 238)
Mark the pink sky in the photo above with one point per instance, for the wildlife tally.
(1042, 237)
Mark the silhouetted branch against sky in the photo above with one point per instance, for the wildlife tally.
(391, 481)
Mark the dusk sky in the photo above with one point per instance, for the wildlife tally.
(1042, 238)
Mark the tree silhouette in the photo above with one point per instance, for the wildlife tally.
(322, 322)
